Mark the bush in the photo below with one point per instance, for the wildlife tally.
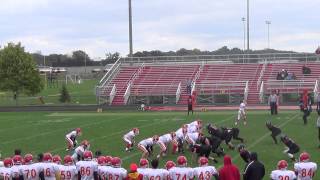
(64, 96)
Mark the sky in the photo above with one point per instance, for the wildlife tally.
(101, 26)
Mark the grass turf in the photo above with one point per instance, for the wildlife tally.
(36, 132)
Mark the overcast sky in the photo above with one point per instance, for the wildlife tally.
(100, 26)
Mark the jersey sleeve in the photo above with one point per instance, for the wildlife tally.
(273, 175)
(124, 174)
(191, 174)
(296, 167)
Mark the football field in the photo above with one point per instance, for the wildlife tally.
(36, 132)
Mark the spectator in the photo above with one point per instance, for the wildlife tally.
(189, 86)
(291, 76)
(305, 101)
(283, 74)
(279, 76)
(306, 70)
(229, 171)
(134, 174)
(255, 169)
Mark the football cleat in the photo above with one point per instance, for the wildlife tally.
(304, 157)
(17, 160)
(28, 158)
(7, 162)
(47, 157)
(182, 160)
(203, 161)
(56, 159)
(87, 155)
(144, 163)
(67, 160)
(170, 164)
(116, 162)
(108, 160)
(282, 164)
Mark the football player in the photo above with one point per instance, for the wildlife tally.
(56, 159)
(102, 167)
(169, 165)
(192, 138)
(204, 171)
(143, 168)
(78, 152)
(244, 153)
(146, 144)
(165, 140)
(282, 173)
(181, 171)
(232, 133)
(304, 169)
(180, 138)
(194, 126)
(17, 167)
(68, 171)
(116, 172)
(155, 173)
(50, 170)
(129, 138)
(87, 169)
(242, 113)
(5, 171)
(275, 131)
(71, 138)
(30, 170)
(291, 147)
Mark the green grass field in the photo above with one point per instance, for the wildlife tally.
(39, 132)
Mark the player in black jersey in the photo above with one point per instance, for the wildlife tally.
(275, 131)
(291, 147)
(244, 153)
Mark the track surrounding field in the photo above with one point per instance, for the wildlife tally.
(36, 132)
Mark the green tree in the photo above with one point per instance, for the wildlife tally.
(64, 95)
(18, 72)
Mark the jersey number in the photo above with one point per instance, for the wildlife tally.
(155, 178)
(205, 175)
(31, 173)
(179, 177)
(284, 178)
(113, 177)
(47, 172)
(85, 171)
(65, 175)
(305, 173)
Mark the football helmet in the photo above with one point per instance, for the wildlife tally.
(304, 157)
(170, 164)
(78, 130)
(282, 164)
(56, 159)
(17, 160)
(85, 143)
(136, 131)
(28, 158)
(203, 161)
(182, 160)
(155, 138)
(240, 147)
(87, 155)
(101, 160)
(47, 157)
(116, 162)
(108, 160)
(67, 160)
(7, 162)
(173, 135)
(144, 163)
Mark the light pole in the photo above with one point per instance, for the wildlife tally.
(130, 30)
(244, 33)
(248, 33)
(268, 24)
(44, 60)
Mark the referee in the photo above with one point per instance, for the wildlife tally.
(273, 102)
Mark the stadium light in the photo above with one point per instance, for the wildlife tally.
(130, 30)
(248, 33)
(244, 33)
(268, 24)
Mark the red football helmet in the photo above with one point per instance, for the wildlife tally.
(282, 164)
(87, 155)
(203, 161)
(56, 159)
(85, 143)
(78, 130)
(136, 131)
(116, 162)
(182, 160)
(28, 158)
(170, 164)
(304, 157)
(67, 160)
(17, 160)
(7, 162)
(101, 160)
(108, 160)
(144, 163)
(47, 157)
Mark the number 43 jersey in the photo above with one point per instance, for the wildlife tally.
(205, 172)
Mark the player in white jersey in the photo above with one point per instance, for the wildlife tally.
(30, 170)
(68, 171)
(180, 137)
(5, 171)
(282, 173)
(304, 169)
(87, 169)
(157, 174)
(192, 138)
(129, 138)
(17, 165)
(78, 152)
(103, 168)
(169, 165)
(242, 113)
(181, 172)
(204, 172)
(143, 168)
(50, 170)
(56, 159)
(195, 126)
(116, 172)
(165, 140)
(71, 138)
(146, 144)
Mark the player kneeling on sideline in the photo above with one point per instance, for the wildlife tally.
(78, 152)
(304, 169)
(116, 172)
(129, 138)
(87, 169)
(181, 171)
(291, 148)
(282, 173)
(165, 140)
(146, 144)
(275, 131)
(242, 113)
(72, 138)
(157, 174)
(69, 170)
(204, 171)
